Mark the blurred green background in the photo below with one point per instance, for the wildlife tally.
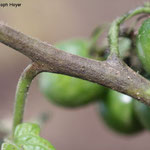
(53, 21)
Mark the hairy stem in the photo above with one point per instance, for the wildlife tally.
(21, 92)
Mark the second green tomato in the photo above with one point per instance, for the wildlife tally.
(117, 111)
(143, 113)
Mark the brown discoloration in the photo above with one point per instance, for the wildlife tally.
(112, 73)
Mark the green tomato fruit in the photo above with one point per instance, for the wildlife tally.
(143, 113)
(143, 44)
(117, 111)
(69, 91)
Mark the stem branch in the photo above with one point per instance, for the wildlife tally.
(114, 29)
(21, 92)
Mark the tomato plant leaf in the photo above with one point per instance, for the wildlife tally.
(26, 137)
(9, 146)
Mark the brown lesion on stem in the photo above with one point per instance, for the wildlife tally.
(112, 73)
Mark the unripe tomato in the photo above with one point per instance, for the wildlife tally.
(143, 113)
(117, 111)
(143, 44)
(69, 91)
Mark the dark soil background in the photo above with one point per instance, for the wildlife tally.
(53, 21)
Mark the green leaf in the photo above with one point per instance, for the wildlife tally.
(8, 146)
(27, 137)
(27, 128)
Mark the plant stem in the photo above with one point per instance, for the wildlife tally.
(114, 29)
(21, 92)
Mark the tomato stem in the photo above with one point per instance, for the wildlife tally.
(21, 93)
(114, 28)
